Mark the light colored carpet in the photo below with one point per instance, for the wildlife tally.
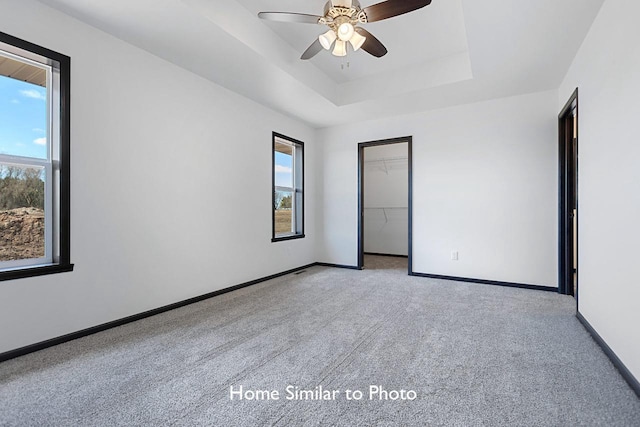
(474, 354)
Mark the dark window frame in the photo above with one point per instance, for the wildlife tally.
(63, 263)
(301, 235)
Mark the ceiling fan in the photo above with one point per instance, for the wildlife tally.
(343, 17)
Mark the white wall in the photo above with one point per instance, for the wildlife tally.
(485, 184)
(386, 187)
(171, 186)
(607, 73)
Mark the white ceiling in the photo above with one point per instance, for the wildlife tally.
(451, 52)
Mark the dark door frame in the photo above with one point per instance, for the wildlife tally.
(567, 191)
(361, 148)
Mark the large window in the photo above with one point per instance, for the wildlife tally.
(34, 160)
(288, 188)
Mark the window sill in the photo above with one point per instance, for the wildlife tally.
(285, 238)
(22, 273)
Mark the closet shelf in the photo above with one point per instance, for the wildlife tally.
(387, 207)
(387, 163)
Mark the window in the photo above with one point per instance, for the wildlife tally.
(288, 188)
(34, 160)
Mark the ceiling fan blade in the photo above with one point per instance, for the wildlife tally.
(313, 50)
(390, 8)
(289, 17)
(372, 45)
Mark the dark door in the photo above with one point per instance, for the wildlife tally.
(568, 212)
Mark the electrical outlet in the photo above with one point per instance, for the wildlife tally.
(454, 255)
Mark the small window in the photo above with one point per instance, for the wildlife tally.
(288, 188)
(34, 160)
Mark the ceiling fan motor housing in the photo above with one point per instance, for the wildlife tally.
(334, 16)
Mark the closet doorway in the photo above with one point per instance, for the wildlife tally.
(384, 203)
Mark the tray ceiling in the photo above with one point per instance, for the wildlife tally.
(451, 52)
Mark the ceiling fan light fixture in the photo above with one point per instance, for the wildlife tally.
(340, 48)
(357, 41)
(346, 31)
(342, 17)
(327, 39)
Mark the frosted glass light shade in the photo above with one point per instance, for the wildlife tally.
(345, 31)
(357, 41)
(340, 48)
(327, 39)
